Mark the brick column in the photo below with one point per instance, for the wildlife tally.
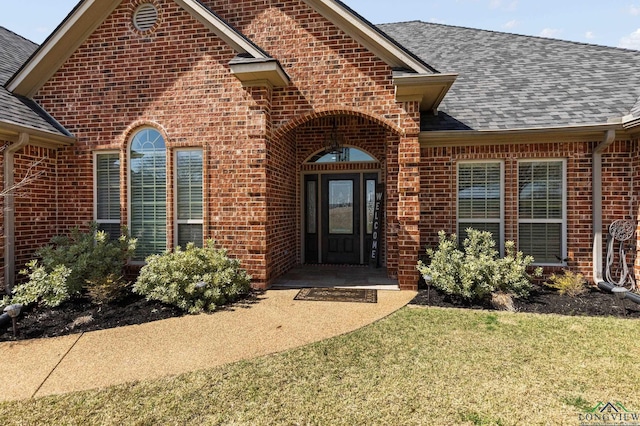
(258, 132)
(409, 198)
(408, 211)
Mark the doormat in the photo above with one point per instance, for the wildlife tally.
(338, 295)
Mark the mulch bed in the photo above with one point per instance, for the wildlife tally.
(81, 316)
(544, 300)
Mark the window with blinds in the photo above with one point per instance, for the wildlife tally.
(541, 210)
(189, 197)
(480, 205)
(107, 192)
(148, 192)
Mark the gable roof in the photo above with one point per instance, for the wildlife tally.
(86, 16)
(252, 65)
(509, 81)
(18, 114)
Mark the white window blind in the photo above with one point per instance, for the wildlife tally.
(107, 192)
(189, 197)
(148, 188)
(480, 195)
(541, 210)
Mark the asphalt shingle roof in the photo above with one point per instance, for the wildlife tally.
(509, 81)
(14, 51)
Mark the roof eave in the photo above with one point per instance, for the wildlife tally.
(429, 90)
(572, 133)
(365, 33)
(82, 21)
(11, 131)
(221, 28)
(260, 73)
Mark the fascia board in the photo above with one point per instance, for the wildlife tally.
(223, 30)
(77, 27)
(38, 137)
(578, 133)
(83, 21)
(254, 74)
(429, 90)
(367, 36)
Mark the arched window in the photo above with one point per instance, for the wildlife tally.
(148, 192)
(345, 155)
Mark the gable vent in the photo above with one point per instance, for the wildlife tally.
(145, 17)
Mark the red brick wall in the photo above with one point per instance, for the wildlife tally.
(438, 195)
(36, 213)
(177, 79)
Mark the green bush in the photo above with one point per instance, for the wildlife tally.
(568, 283)
(72, 263)
(107, 289)
(194, 279)
(477, 271)
(50, 288)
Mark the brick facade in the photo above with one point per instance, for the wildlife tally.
(439, 188)
(256, 140)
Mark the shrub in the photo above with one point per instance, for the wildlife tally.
(50, 288)
(477, 271)
(568, 283)
(72, 263)
(107, 289)
(194, 279)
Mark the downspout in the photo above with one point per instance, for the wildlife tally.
(598, 279)
(9, 212)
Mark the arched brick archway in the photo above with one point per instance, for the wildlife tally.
(292, 144)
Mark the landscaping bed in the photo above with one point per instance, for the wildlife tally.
(544, 300)
(81, 315)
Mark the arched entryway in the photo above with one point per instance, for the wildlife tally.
(338, 188)
(339, 207)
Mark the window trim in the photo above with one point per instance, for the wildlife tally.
(312, 159)
(177, 221)
(95, 187)
(562, 221)
(501, 220)
(130, 139)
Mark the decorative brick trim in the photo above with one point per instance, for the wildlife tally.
(338, 110)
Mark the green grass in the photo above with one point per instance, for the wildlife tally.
(419, 366)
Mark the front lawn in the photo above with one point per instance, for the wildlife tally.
(419, 366)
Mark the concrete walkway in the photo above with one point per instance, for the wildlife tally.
(274, 323)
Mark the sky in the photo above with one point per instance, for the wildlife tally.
(613, 23)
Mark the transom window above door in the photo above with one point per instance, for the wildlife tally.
(345, 155)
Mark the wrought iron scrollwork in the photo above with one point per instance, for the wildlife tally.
(620, 231)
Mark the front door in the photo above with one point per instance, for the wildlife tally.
(338, 220)
(341, 214)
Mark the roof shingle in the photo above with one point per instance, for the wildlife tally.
(509, 81)
(14, 51)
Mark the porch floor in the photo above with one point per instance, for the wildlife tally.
(322, 276)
